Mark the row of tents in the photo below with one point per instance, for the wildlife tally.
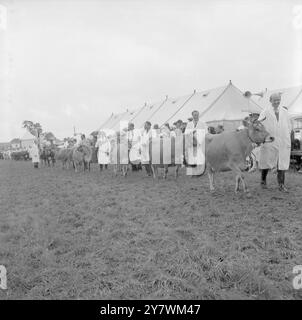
(225, 106)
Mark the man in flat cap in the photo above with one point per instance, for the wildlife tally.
(276, 155)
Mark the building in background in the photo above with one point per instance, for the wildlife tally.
(15, 144)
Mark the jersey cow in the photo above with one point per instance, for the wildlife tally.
(229, 150)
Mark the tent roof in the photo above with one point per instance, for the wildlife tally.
(122, 120)
(218, 104)
(147, 112)
(116, 120)
(230, 105)
(222, 103)
(290, 97)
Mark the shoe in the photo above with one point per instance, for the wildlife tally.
(282, 188)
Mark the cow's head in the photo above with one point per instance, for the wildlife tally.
(257, 132)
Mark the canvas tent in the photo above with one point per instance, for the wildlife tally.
(118, 121)
(290, 98)
(223, 105)
(27, 140)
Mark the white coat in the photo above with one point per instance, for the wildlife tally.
(196, 155)
(277, 153)
(104, 148)
(145, 154)
(134, 138)
(34, 153)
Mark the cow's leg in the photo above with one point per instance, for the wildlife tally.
(124, 170)
(211, 179)
(237, 185)
(154, 171)
(165, 171)
(176, 170)
(239, 178)
(245, 189)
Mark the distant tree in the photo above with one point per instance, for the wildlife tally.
(34, 128)
(49, 136)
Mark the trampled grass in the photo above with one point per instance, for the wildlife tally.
(92, 236)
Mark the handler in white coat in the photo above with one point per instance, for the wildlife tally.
(276, 155)
(145, 143)
(104, 147)
(134, 137)
(34, 154)
(195, 154)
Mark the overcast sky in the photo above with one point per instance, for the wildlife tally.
(66, 63)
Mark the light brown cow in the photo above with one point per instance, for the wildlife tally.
(119, 154)
(166, 152)
(64, 155)
(229, 150)
(82, 155)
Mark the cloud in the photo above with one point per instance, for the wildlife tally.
(74, 63)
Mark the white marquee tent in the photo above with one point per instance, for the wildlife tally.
(223, 105)
(27, 140)
(290, 98)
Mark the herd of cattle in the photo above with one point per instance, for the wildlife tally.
(223, 152)
(15, 155)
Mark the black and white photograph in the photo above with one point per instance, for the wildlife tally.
(150, 151)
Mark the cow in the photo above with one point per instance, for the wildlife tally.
(81, 155)
(119, 155)
(20, 155)
(169, 158)
(229, 150)
(48, 156)
(65, 155)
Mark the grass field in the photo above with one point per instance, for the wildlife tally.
(91, 236)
